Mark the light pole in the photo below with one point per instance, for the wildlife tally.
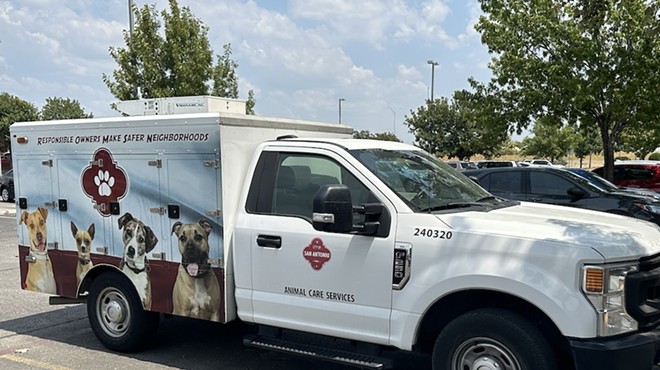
(433, 63)
(340, 100)
(131, 26)
(393, 120)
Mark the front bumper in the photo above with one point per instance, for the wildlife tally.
(640, 351)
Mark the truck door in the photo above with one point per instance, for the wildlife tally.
(339, 284)
(37, 188)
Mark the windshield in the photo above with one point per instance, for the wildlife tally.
(423, 182)
(596, 180)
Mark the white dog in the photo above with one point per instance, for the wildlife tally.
(138, 240)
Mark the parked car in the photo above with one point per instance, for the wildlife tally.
(639, 174)
(462, 165)
(7, 186)
(5, 162)
(553, 185)
(609, 186)
(496, 164)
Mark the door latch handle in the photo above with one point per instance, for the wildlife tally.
(269, 241)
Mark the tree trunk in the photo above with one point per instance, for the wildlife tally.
(608, 150)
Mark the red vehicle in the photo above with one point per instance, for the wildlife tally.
(636, 174)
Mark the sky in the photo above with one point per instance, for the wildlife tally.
(299, 56)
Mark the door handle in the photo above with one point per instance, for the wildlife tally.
(269, 241)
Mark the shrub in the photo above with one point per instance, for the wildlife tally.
(654, 156)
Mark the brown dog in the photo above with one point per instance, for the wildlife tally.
(138, 240)
(84, 244)
(196, 291)
(40, 276)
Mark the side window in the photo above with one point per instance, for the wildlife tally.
(505, 182)
(299, 176)
(484, 182)
(548, 184)
(639, 173)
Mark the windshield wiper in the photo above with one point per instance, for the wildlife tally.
(453, 206)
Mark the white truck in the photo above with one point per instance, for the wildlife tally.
(191, 208)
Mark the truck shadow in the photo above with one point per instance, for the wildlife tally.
(179, 343)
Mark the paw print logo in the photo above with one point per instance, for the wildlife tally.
(104, 181)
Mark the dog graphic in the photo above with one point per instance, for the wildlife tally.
(84, 244)
(40, 275)
(138, 240)
(196, 290)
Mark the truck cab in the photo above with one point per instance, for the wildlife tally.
(382, 243)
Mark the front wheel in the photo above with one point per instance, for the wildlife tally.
(116, 314)
(492, 339)
(4, 194)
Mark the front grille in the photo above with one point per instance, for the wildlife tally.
(643, 292)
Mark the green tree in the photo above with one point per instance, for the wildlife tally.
(452, 128)
(13, 109)
(177, 63)
(250, 103)
(587, 142)
(641, 141)
(225, 81)
(549, 140)
(589, 61)
(60, 108)
(366, 134)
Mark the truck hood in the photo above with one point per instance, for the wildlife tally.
(614, 237)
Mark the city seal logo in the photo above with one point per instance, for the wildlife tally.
(317, 254)
(104, 181)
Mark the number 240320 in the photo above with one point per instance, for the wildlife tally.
(433, 233)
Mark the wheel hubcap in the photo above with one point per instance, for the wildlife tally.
(484, 354)
(113, 312)
(486, 363)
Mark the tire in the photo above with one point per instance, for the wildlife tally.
(490, 339)
(4, 195)
(116, 314)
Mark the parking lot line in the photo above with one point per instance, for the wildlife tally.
(30, 362)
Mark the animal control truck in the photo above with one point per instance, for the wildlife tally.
(189, 207)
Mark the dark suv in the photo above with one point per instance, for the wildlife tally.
(643, 174)
(550, 185)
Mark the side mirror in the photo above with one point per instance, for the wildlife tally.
(333, 209)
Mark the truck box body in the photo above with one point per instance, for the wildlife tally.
(160, 170)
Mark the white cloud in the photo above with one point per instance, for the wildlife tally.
(299, 57)
(408, 73)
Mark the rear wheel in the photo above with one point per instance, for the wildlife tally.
(116, 314)
(492, 339)
(4, 194)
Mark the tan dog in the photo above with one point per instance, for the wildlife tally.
(138, 240)
(196, 291)
(40, 276)
(84, 244)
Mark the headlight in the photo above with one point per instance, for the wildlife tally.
(604, 286)
(653, 208)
